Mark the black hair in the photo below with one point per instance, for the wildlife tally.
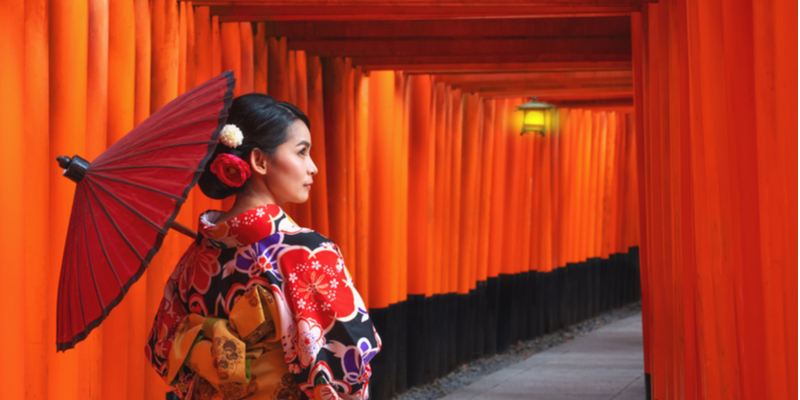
(263, 122)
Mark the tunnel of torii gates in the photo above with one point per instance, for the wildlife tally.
(669, 164)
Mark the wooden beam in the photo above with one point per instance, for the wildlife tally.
(579, 86)
(586, 93)
(624, 104)
(326, 12)
(499, 66)
(581, 61)
(451, 28)
(553, 78)
(610, 95)
(611, 48)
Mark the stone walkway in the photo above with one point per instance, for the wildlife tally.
(606, 364)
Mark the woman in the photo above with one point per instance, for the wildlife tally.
(258, 306)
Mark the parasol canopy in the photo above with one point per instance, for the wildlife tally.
(127, 199)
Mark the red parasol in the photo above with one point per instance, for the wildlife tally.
(126, 201)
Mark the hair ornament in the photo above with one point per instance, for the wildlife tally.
(231, 136)
(231, 170)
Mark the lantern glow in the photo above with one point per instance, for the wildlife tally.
(534, 119)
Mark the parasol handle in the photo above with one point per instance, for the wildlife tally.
(183, 229)
(74, 168)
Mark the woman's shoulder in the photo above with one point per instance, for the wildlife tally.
(307, 237)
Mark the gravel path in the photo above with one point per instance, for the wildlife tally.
(477, 369)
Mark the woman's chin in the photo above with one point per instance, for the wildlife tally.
(301, 198)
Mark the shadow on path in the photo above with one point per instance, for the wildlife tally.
(605, 364)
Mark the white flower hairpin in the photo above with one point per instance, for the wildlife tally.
(231, 136)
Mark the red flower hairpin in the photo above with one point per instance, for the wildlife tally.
(231, 170)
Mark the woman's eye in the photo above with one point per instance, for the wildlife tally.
(303, 152)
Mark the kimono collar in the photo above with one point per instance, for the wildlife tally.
(246, 228)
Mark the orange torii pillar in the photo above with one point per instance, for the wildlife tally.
(574, 297)
(400, 225)
(594, 167)
(68, 64)
(246, 78)
(280, 85)
(300, 77)
(438, 286)
(260, 62)
(548, 187)
(334, 83)
(29, 113)
(421, 170)
(453, 148)
(203, 71)
(185, 82)
(486, 147)
(141, 110)
(506, 320)
(231, 46)
(467, 234)
(13, 95)
(277, 69)
(231, 60)
(499, 220)
(96, 127)
(216, 46)
(361, 162)
(119, 120)
(164, 88)
(316, 117)
(537, 231)
(521, 292)
(565, 176)
(631, 234)
(350, 160)
(560, 163)
(383, 293)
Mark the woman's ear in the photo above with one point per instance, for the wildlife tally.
(259, 162)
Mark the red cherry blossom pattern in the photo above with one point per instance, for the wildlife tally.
(316, 288)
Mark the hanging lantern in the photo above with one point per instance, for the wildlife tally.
(534, 118)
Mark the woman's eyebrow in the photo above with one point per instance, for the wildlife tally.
(304, 142)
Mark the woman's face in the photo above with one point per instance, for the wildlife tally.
(291, 169)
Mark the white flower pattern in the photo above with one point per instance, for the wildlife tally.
(309, 340)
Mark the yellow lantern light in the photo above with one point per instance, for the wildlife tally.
(534, 119)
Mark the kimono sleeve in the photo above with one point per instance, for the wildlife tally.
(169, 321)
(327, 336)
(174, 330)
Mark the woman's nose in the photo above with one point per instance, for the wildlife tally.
(313, 170)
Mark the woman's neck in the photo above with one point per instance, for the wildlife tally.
(247, 200)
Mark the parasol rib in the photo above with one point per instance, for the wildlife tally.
(110, 160)
(114, 224)
(146, 124)
(103, 247)
(136, 213)
(78, 277)
(140, 186)
(91, 267)
(173, 117)
(146, 166)
(158, 148)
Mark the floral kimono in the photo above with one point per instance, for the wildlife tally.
(259, 307)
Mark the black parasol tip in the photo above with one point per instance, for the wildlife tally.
(74, 168)
(63, 161)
